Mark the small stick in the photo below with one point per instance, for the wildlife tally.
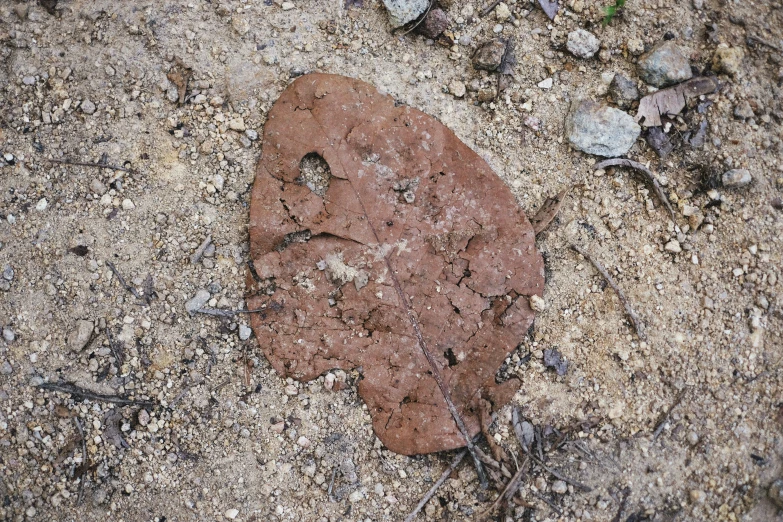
(199, 253)
(331, 485)
(549, 503)
(637, 323)
(90, 164)
(489, 8)
(84, 458)
(74, 390)
(444, 476)
(576, 484)
(668, 413)
(761, 41)
(217, 312)
(511, 488)
(620, 162)
(121, 279)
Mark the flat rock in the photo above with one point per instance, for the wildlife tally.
(665, 64)
(403, 11)
(582, 44)
(736, 178)
(601, 130)
(80, 335)
(198, 301)
(355, 276)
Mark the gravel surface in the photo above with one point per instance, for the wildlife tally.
(173, 95)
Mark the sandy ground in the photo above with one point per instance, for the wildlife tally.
(685, 426)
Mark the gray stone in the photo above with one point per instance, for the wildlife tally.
(8, 273)
(198, 301)
(403, 11)
(244, 332)
(6, 368)
(775, 493)
(743, 110)
(582, 44)
(88, 107)
(251, 134)
(736, 178)
(80, 336)
(489, 55)
(601, 130)
(98, 187)
(8, 334)
(665, 64)
(622, 91)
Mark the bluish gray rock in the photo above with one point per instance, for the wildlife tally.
(736, 178)
(601, 130)
(403, 11)
(665, 64)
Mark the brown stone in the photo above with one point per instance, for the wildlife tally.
(412, 230)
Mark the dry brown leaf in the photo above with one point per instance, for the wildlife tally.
(671, 101)
(548, 211)
(411, 243)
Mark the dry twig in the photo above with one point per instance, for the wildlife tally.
(444, 476)
(90, 164)
(122, 281)
(665, 419)
(637, 323)
(648, 175)
(761, 41)
(81, 393)
(492, 5)
(84, 458)
(217, 312)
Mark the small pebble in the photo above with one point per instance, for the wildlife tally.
(736, 178)
(231, 514)
(582, 44)
(673, 246)
(8, 335)
(80, 335)
(251, 134)
(546, 84)
(457, 89)
(198, 301)
(559, 487)
(665, 64)
(8, 273)
(698, 496)
(775, 493)
(41, 205)
(87, 107)
(6, 368)
(244, 332)
(127, 204)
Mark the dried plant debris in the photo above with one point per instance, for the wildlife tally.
(648, 176)
(548, 211)
(671, 101)
(180, 75)
(414, 265)
(550, 8)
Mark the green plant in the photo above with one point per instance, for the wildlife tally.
(611, 10)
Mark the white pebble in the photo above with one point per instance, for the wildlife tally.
(41, 205)
(127, 204)
(231, 514)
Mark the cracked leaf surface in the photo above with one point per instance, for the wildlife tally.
(409, 212)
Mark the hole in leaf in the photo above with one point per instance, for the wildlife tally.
(449, 354)
(315, 173)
